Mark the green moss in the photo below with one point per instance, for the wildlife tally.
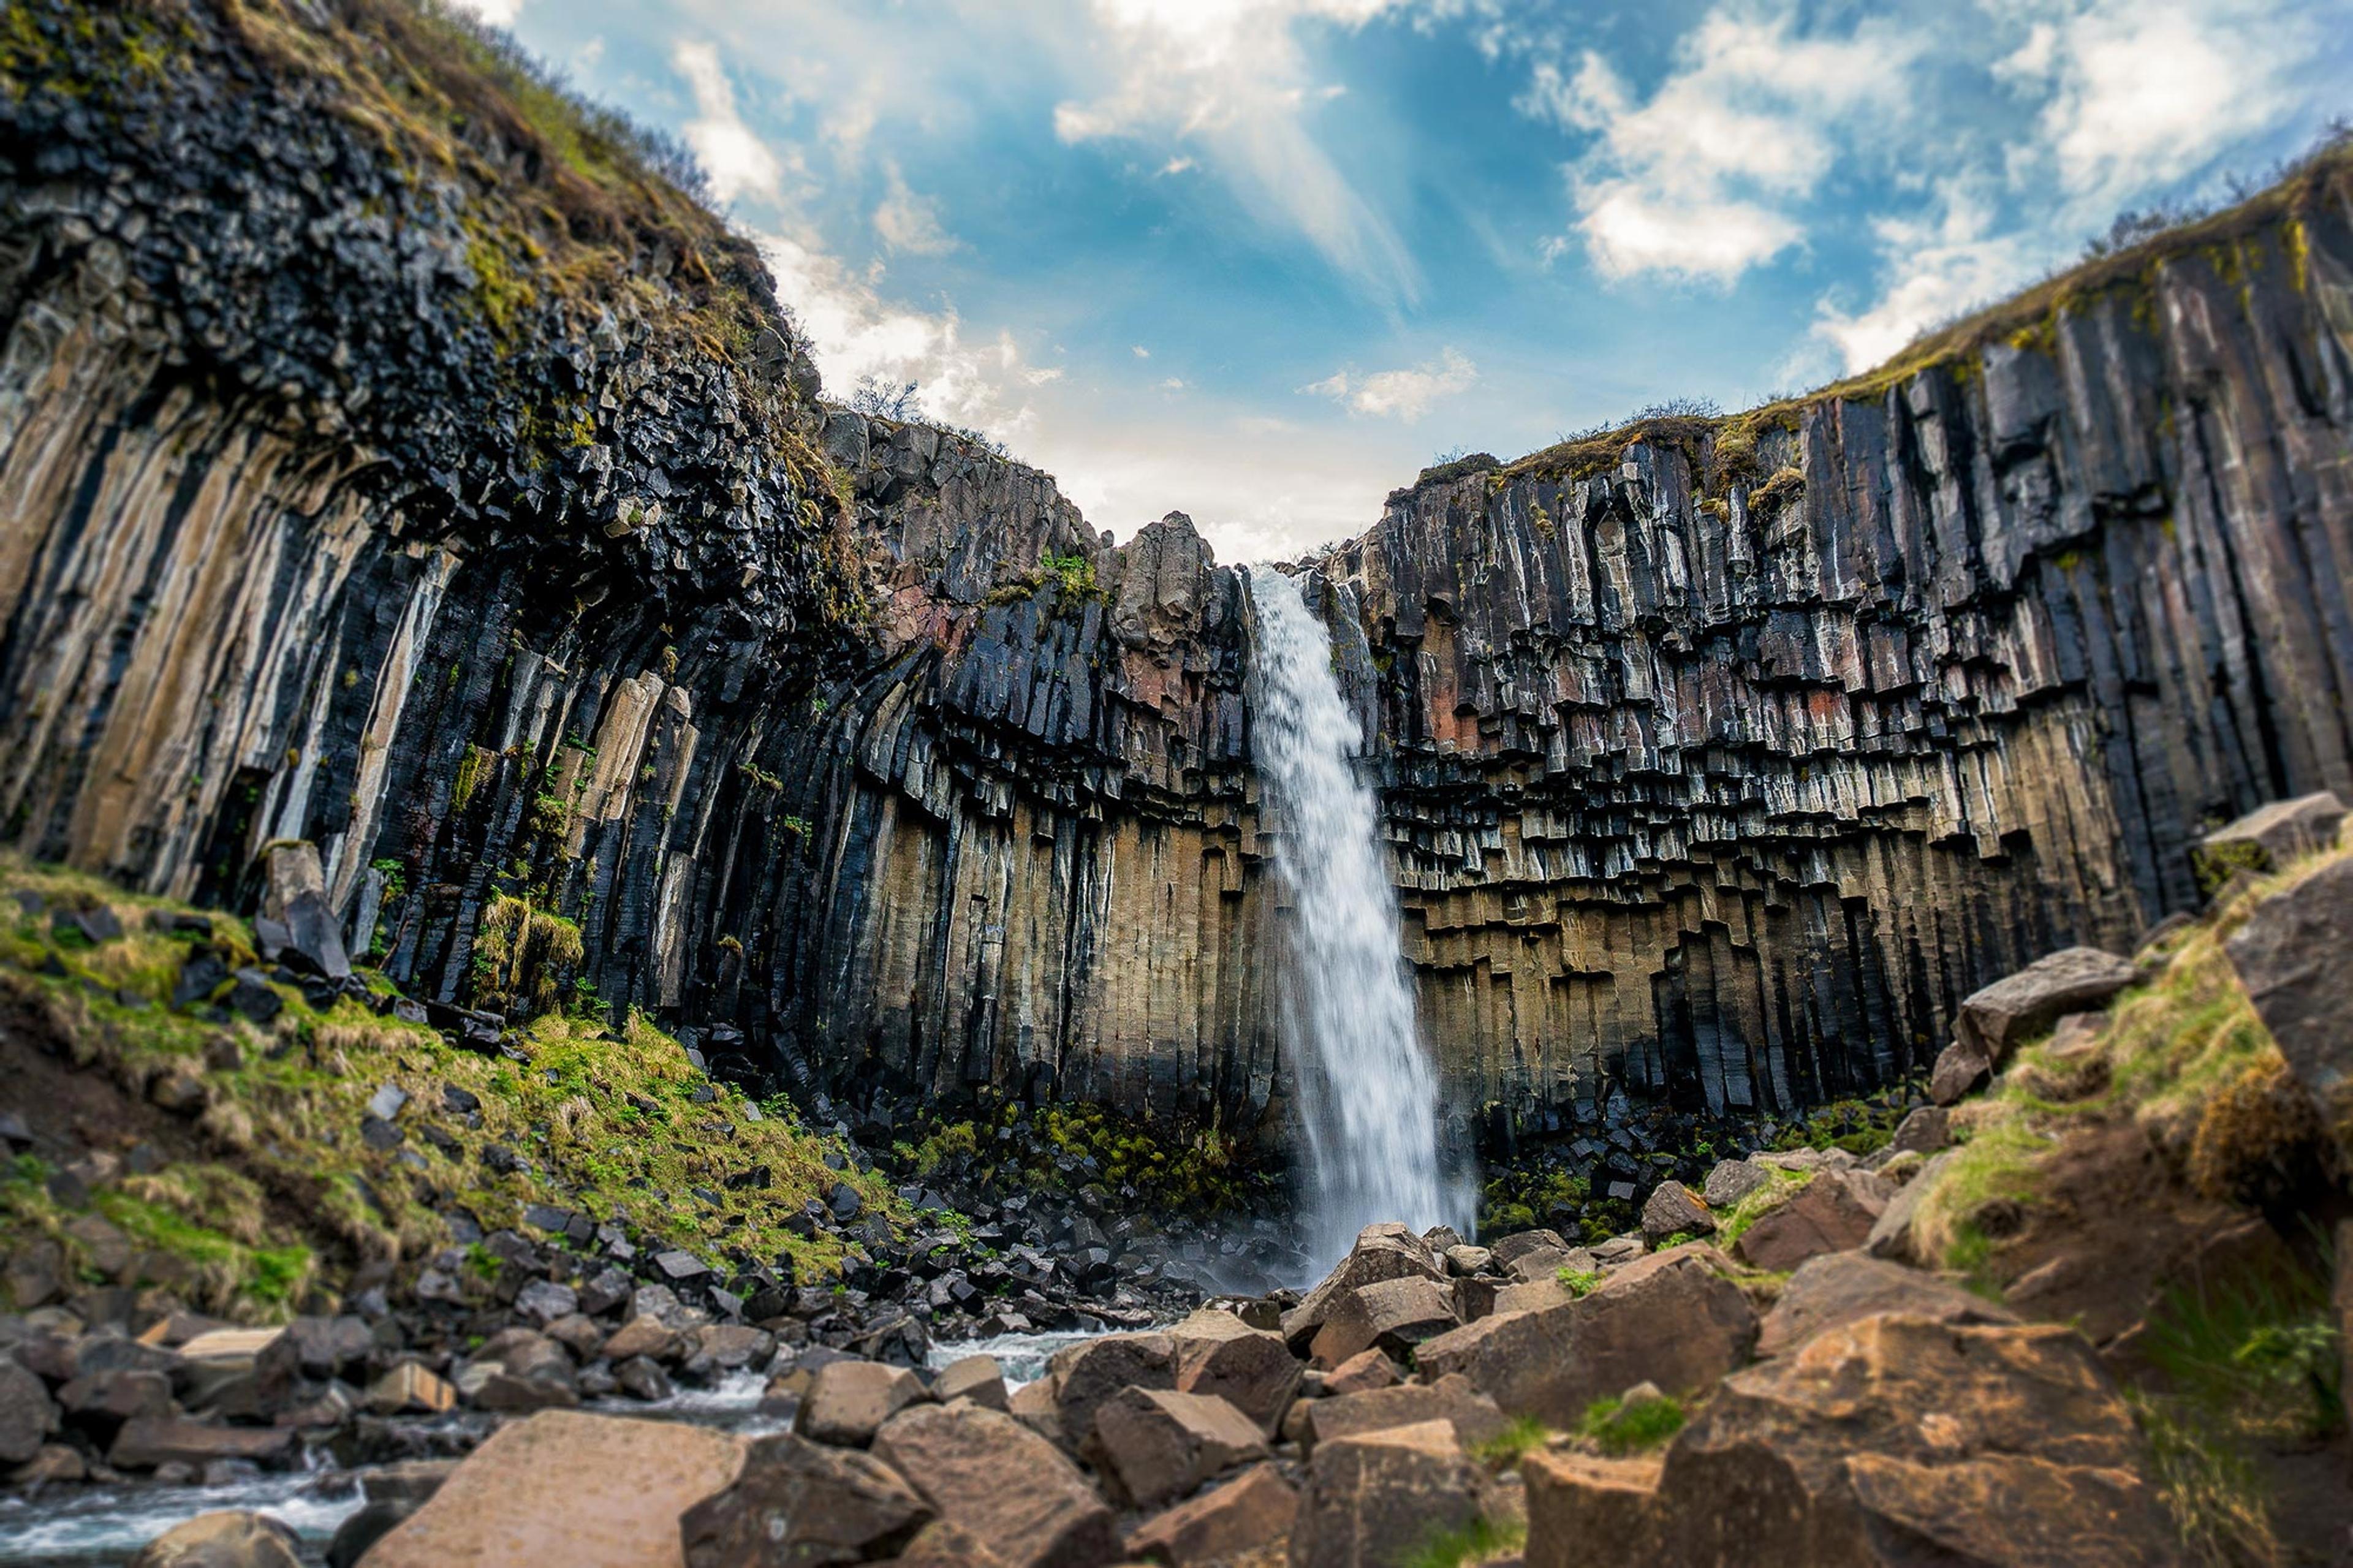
(1473, 1543)
(1579, 1281)
(1621, 1429)
(1732, 1223)
(470, 768)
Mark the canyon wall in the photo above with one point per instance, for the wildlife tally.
(380, 470)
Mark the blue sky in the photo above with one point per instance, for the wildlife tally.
(1260, 261)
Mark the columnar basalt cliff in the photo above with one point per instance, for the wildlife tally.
(385, 470)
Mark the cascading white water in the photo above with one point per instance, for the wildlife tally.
(1369, 1096)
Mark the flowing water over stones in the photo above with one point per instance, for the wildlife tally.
(1367, 1094)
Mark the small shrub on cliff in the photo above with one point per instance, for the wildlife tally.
(2260, 1142)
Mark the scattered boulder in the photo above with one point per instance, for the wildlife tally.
(1925, 1130)
(1372, 1497)
(940, 1544)
(517, 1371)
(1729, 1181)
(1081, 1376)
(797, 1503)
(990, 1475)
(149, 1442)
(28, 1415)
(1252, 1368)
(2269, 836)
(1997, 1018)
(393, 1493)
(1508, 1250)
(975, 1377)
(1961, 1071)
(230, 1539)
(1553, 1363)
(1891, 1233)
(1381, 1252)
(1361, 1372)
(1673, 1208)
(1156, 1444)
(849, 1401)
(1393, 1314)
(1890, 1440)
(587, 1492)
(408, 1389)
(2290, 956)
(1253, 1511)
(1448, 1397)
(1841, 1288)
(1832, 1213)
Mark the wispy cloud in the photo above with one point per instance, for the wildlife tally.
(909, 223)
(1404, 395)
(1227, 84)
(738, 161)
(1696, 178)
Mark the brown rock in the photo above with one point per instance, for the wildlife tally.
(1832, 1214)
(1364, 1370)
(587, 1492)
(1531, 1296)
(1252, 1368)
(2268, 837)
(988, 1474)
(1087, 1373)
(1729, 1181)
(1253, 1511)
(940, 1544)
(799, 1504)
(1449, 1399)
(1998, 1018)
(1381, 1252)
(1462, 1258)
(54, 1462)
(28, 1415)
(1393, 1314)
(1156, 1444)
(1897, 1439)
(152, 1440)
(849, 1401)
(1373, 1498)
(1924, 1130)
(1960, 1072)
(2291, 957)
(409, 1389)
(1542, 1263)
(222, 1540)
(1841, 1287)
(1583, 1510)
(975, 1377)
(1509, 1250)
(644, 1336)
(1672, 1318)
(1673, 1207)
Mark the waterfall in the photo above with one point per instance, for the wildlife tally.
(1369, 1098)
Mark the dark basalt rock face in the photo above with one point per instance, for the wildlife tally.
(378, 477)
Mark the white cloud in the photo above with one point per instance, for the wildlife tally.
(1404, 395)
(738, 161)
(1173, 384)
(1936, 269)
(497, 13)
(2143, 92)
(1139, 350)
(909, 223)
(1229, 81)
(1697, 179)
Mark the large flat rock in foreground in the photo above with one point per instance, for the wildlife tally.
(585, 1492)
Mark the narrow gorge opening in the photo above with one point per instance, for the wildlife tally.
(1368, 1093)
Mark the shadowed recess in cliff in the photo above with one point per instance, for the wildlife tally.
(1367, 1097)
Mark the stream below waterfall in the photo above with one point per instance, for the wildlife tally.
(103, 1526)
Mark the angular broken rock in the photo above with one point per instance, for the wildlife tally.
(1832, 1213)
(409, 1389)
(797, 1503)
(1672, 1318)
(1891, 1233)
(1085, 1374)
(1961, 1071)
(1360, 1374)
(1253, 1511)
(1373, 1497)
(150, 1441)
(1381, 1252)
(1473, 1415)
(587, 1492)
(2291, 956)
(2001, 1015)
(1841, 1288)
(849, 1401)
(975, 1377)
(1890, 1441)
(940, 1544)
(1672, 1208)
(1507, 1250)
(1156, 1444)
(228, 1540)
(1252, 1368)
(988, 1474)
(1729, 1181)
(2268, 837)
(27, 1415)
(1393, 1315)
